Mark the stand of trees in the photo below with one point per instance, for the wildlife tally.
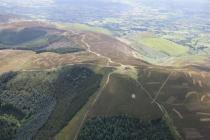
(61, 50)
(73, 87)
(9, 115)
(8, 127)
(11, 37)
(4, 78)
(124, 128)
(24, 95)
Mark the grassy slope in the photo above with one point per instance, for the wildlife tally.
(116, 99)
(173, 96)
(70, 130)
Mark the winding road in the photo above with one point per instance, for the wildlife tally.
(97, 54)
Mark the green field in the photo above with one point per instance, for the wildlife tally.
(155, 47)
(165, 46)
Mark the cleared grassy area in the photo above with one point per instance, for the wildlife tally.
(116, 99)
(165, 46)
(84, 27)
(69, 131)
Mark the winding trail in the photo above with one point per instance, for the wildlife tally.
(178, 113)
(109, 61)
(97, 54)
(162, 86)
(139, 83)
(92, 104)
(150, 96)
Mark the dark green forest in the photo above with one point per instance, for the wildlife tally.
(38, 40)
(61, 50)
(73, 87)
(10, 37)
(9, 115)
(24, 95)
(124, 128)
